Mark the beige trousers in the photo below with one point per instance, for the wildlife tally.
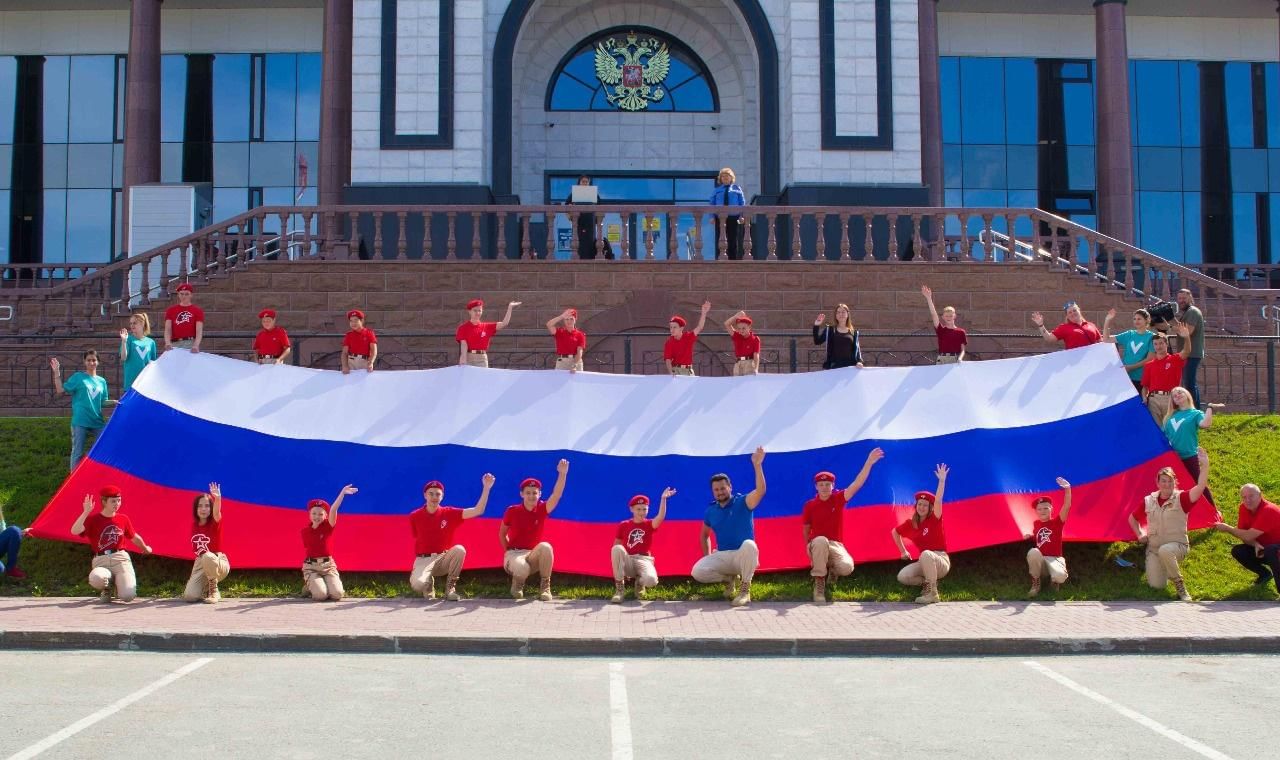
(744, 367)
(932, 567)
(1158, 406)
(829, 556)
(447, 564)
(682, 370)
(946, 360)
(1039, 565)
(723, 566)
(638, 566)
(521, 563)
(322, 579)
(568, 362)
(207, 565)
(357, 362)
(478, 360)
(117, 565)
(1162, 563)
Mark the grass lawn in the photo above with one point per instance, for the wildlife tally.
(1243, 448)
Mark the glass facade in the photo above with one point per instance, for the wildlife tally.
(1206, 136)
(686, 189)
(238, 121)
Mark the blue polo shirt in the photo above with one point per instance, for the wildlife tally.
(732, 523)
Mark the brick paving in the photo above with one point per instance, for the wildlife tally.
(594, 627)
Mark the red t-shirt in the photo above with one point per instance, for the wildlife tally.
(1266, 519)
(107, 534)
(478, 336)
(744, 346)
(636, 537)
(433, 532)
(567, 341)
(826, 518)
(1163, 374)
(1075, 336)
(1048, 536)
(1184, 501)
(680, 350)
(271, 342)
(206, 538)
(318, 542)
(358, 342)
(524, 526)
(184, 319)
(928, 537)
(950, 339)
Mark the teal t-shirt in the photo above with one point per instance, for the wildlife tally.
(1183, 431)
(138, 353)
(87, 396)
(1134, 347)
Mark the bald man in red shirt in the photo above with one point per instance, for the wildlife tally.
(678, 350)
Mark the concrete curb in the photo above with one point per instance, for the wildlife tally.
(638, 646)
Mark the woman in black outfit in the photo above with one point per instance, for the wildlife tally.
(843, 347)
(587, 229)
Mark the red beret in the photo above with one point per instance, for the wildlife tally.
(679, 320)
(267, 313)
(824, 477)
(321, 503)
(744, 320)
(474, 302)
(531, 482)
(355, 313)
(433, 484)
(638, 499)
(186, 287)
(109, 492)
(926, 495)
(1041, 500)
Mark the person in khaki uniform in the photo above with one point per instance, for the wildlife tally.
(677, 352)
(1166, 535)
(433, 527)
(924, 528)
(730, 518)
(319, 571)
(210, 565)
(1046, 556)
(473, 336)
(632, 552)
(106, 532)
(524, 551)
(746, 344)
(823, 526)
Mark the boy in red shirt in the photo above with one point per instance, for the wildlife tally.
(524, 551)
(678, 350)
(359, 346)
(1163, 373)
(632, 552)
(319, 571)
(473, 336)
(924, 529)
(570, 341)
(746, 344)
(951, 339)
(1046, 532)
(272, 345)
(184, 321)
(823, 526)
(106, 532)
(1074, 332)
(433, 527)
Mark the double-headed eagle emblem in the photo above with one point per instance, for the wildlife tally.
(633, 70)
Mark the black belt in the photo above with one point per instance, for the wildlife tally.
(432, 554)
(318, 559)
(358, 356)
(566, 356)
(264, 356)
(683, 366)
(477, 352)
(1158, 393)
(103, 554)
(745, 358)
(943, 353)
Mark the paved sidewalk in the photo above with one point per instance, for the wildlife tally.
(650, 628)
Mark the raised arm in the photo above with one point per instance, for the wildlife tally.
(562, 473)
(56, 366)
(1184, 332)
(928, 298)
(667, 493)
(506, 318)
(486, 483)
(337, 502)
(551, 323)
(124, 344)
(77, 527)
(1208, 415)
(1203, 481)
(702, 318)
(1038, 320)
(1066, 499)
(731, 321)
(941, 471)
(1107, 337)
(215, 491)
(875, 456)
(757, 462)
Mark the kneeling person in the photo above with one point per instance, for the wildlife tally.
(433, 527)
(210, 565)
(729, 517)
(924, 529)
(319, 571)
(524, 551)
(823, 525)
(1046, 556)
(106, 532)
(632, 553)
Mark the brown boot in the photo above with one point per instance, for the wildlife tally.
(928, 593)
(639, 590)
(211, 594)
(451, 589)
(544, 591)
(731, 588)
(1181, 587)
(1035, 586)
(744, 595)
(619, 591)
(517, 589)
(820, 589)
(429, 592)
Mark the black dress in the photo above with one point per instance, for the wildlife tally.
(843, 349)
(587, 234)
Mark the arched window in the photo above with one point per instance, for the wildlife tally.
(632, 69)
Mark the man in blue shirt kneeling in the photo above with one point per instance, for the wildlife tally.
(729, 517)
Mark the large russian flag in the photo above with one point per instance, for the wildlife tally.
(276, 437)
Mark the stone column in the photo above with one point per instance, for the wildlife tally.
(334, 154)
(141, 104)
(930, 103)
(1115, 146)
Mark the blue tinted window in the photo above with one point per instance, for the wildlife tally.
(1191, 227)
(949, 83)
(984, 167)
(1249, 170)
(1160, 224)
(1022, 168)
(687, 87)
(1078, 106)
(8, 83)
(1191, 168)
(1239, 105)
(57, 77)
(4, 227)
(1021, 101)
(1082, 172)
(982, 100)
(280, 91)
(173, 96)
(92, 98)
(1189, 101)
(1244, 211)
(230, 98)
(1273, 105)
(1159, 169)
(308, 115)
(55, 226)
(1158, 109)
(89, 228)
(1274, 215)
(952, 166)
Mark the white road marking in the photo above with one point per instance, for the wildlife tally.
(619, 713)
(1133, 715)
(53, 740)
